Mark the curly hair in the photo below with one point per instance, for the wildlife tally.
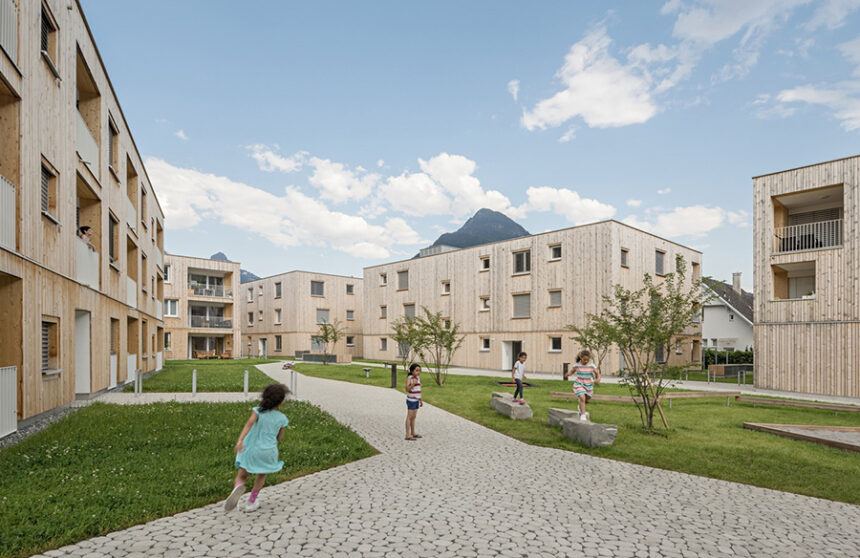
(412, 368)
(273, 395)
(582, 353)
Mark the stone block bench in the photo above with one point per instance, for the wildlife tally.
(557, 416)
(503, 403)
(589, 434)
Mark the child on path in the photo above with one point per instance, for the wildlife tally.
(413, 400)
(518, 375)
(587, 376)
(257, 448)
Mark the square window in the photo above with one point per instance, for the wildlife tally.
(350, 341)
(523, 261)
(322, 316)
(485, 304)
(350, 315)
(555, 344)
(350, 289)
(624, 257)
(317, 288)
(409, 311)
(485, 263)
(522, 305)
(555, 299)
(555, 252)
(485, 343)
(446, 287)
(383, 279)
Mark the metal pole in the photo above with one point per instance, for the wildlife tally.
(564, 368)
(246, 383)
(194, 381)
(394, 375)
(293, 382)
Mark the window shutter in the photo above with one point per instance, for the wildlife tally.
(46, 345)
(322, 316)
(555, 298)
(409, 310)
(317, 288)
(522, 306)
(46, 184)
(403, 280)
(46, 30)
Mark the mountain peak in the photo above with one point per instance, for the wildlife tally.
(484, 227)
(220, 257)
(244, 274)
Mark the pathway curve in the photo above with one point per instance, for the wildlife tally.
(465, 490)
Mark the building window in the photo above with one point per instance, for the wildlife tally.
(50, 345)
(250, 318)
(383, 279)
(383, 312)
(485, 263)
(317, 345)
(277, 315)
(555, 344)
(409, 311)
(260, 317)
(49, 192)
(350, 341)
(383, 344)
(317, 288)
(112, 145)
(624, 253)
(114, 336)
(485, 304)
(403, 280)
(522, 305)
(171, 308)
(555, 252)
(660, 354)
(679, 264)
(322, 316)
(48, 44)
(446, 287)
(277, 290)
(731, 317)
(167, 340)
(697, 271)
(113, 238)
(278, 344)
(167, 268)
(350, 289)
(350, 315)
(794, 280)
(678, 349)
(251, 294)
(555, 299)
(523, 261)
(260, 289)
(659, 264)
(485, 343)
(446, 323)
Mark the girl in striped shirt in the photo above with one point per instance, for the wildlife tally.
(413, 400)
(586, 377)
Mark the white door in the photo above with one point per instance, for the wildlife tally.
(114, 370)
(506, 355)
(262, 348)
(82, 351)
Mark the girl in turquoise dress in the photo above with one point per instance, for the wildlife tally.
(257, 448)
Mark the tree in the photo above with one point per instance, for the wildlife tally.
(407, 334)
(643, 323)
(439, 343)
(596, 336)
(330, 333)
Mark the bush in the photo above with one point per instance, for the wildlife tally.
(714, 356)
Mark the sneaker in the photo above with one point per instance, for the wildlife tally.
(252, 506)
(584, 417)
(233, 498)
(522, 401)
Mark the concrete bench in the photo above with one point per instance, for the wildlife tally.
(589, 434)
(835, 407)
(557, 416)
(503, 403)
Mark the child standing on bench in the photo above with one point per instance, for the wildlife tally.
(518, 375)
(586, 377)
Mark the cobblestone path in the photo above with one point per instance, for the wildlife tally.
(464, 490)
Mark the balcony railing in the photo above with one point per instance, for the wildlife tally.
(211, 290)
(131, 292)
(85, 144)
(88, 264)
(213, 322)
(810, 236)
(8, 218)
(9, 30)
(130, 214)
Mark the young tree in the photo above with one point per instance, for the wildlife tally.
(439, 343)
(330, 334)
(643, 323)
(409, 338)
(596, 337)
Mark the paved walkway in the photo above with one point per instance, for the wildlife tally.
(464, 490)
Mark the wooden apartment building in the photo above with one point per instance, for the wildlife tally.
(77, 319)
(201, 299)
(807, 278)
(519, 294)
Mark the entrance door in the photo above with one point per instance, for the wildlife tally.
(516, 349)
(262, 348)
(510, 350)
(82, 352)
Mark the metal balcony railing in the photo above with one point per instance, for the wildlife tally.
(210, 290)
(86, 144)
(87, 264)
(809, 236)
(213, 322)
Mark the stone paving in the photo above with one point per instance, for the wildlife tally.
(464, 490)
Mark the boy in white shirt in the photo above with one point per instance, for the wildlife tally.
(518, 374)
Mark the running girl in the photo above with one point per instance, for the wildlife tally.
(586, 377)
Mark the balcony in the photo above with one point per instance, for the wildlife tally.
(809, 236)
(210, 290)
(9, 28)
(211, 322)
(88, 264)
(159, 257)
(130, 214)
(8, 215)
(85, 144)
(131, 292)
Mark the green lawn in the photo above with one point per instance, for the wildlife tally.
(398, 362)
(212, 375)
(706, 437)
(107, 467)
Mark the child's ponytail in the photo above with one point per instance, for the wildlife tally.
(273, 395)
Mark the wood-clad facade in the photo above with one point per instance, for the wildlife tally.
(505, 301)
(76, 319)
(201, 301)
(807, 279)
(280, 314)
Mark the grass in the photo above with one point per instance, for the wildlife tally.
(706, 437)
(107, 467)
(212, 375)
(396, 361)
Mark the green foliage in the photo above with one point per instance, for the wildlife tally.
(438, 343)
(409, 337)
(713, 356)
(212, 375)
(596, 336)
(108, 467)
(329, 335)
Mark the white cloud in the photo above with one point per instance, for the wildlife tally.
(691, 221)
(634, 203)
(189, 196)
(664, 191)
(338, 183)
(455, 174)
(597, 88)
(843, 99)
(380, 163)
(514, 88)
(851, 51)
(181, 135)
(568, 135)
(832, 13)
(270, 161)
(415, 194)
(567, 203)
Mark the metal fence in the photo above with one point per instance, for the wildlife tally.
(809, 236)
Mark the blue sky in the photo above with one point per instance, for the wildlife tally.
(329, 136)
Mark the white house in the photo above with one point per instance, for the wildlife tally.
(727, 319)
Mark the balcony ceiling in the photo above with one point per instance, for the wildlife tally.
(820, 197)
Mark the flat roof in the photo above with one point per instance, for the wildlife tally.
(806, 166)
(199, 258)
(306, 272)
(604, 222)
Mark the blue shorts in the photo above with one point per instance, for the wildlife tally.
(412, 405)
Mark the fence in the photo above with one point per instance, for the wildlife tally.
(8, 215)
(809, 236)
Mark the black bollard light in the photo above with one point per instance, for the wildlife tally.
(564, 368)
(394, 375)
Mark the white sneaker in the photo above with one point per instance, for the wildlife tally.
(252, 506)
(234, 496)
(584, 417)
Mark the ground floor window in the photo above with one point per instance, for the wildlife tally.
(317, 344)
(278, 345)
(350, 341)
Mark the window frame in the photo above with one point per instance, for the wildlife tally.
(400, 274)
(350, 315)
(167, 302)
(660, 256)
(383, 312)
(50, 362)
(350, 289)
(49, 183)
(552, 340)
(484, 305)
(279, 315)
(552, 256)
(279, 343)
(383, 343)
(278, 289)
(625, 258)
(514, 306)
(446, 287)
(322, 288)
(485, 264)
(551, 292)
(485, 346)
(327, 319)
(350, 341)
(527, 261)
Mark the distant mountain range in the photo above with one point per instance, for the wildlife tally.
(244, 274)
(483, 227)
